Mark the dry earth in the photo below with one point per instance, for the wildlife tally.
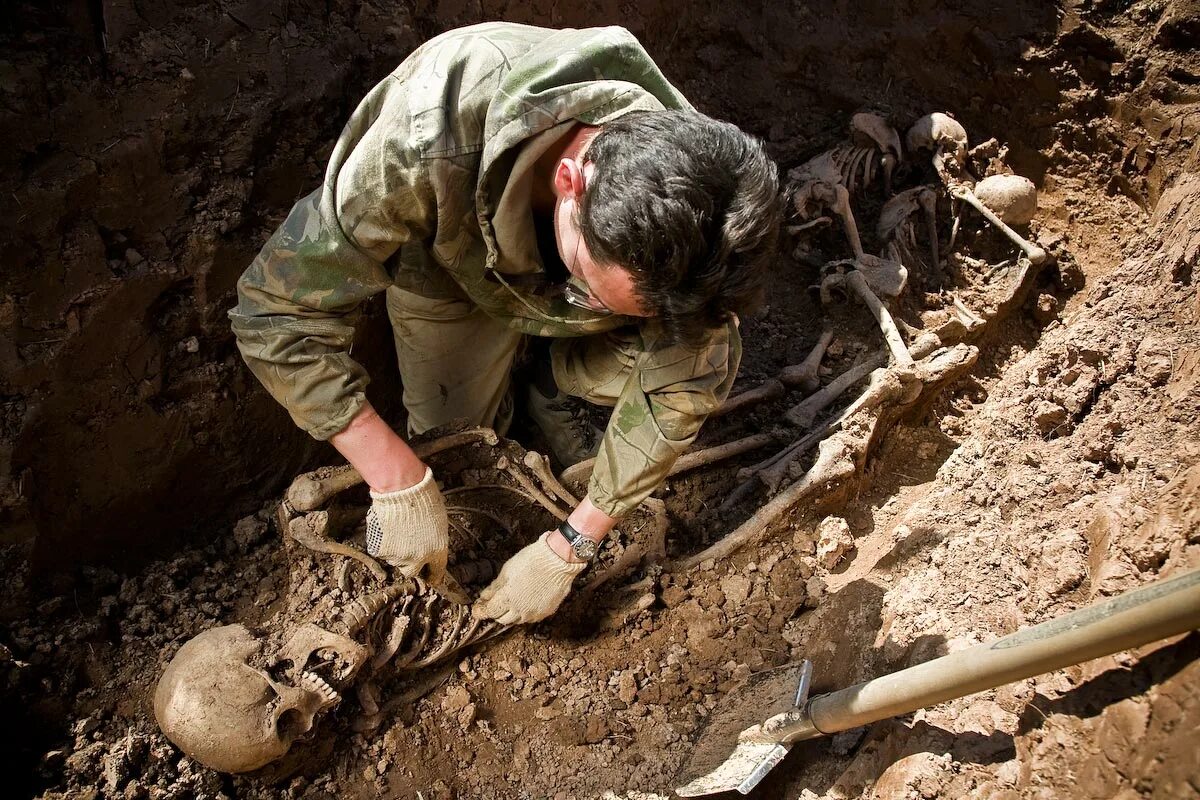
(1064, 468)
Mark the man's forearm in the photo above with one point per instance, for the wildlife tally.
(385, 461)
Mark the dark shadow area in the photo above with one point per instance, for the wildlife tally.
(1093, 697)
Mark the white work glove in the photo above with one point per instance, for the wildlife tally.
(409, 529)
(530, 587)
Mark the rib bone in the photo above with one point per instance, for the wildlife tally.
(527, 486)
(310, 531)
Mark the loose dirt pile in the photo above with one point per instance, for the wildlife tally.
(1064, 468)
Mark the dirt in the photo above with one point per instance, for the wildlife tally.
(152, 148)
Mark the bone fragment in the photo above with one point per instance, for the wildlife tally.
(769, 389)
(928, 203)
(891, 333)
(368, 698)
(803, 413)
(969, 318)
(365, 724)
(309, 531)
(831, 467)
(391, 645)
(527, 486)
(312, 490)
(805, 374)
(539, 465)
(425, 614)
(1035, 254)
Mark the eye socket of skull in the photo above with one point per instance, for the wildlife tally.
(224, 713)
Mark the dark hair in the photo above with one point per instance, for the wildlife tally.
(690, 206)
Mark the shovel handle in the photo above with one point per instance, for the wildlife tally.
(1156, 611)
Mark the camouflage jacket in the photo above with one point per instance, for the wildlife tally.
(409, 197)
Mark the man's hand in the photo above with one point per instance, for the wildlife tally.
(530, 587)
(408, 529)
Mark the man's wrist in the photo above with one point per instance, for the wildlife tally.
(589, 521)
(385, 461)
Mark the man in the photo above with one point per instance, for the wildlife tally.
(506, 182)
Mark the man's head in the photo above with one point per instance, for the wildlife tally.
(669, 214)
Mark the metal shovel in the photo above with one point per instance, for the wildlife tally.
(1155, 611)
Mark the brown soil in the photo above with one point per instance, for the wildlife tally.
(152, 147)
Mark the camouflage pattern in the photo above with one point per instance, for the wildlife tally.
(408, 200)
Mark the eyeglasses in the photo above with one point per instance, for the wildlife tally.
(577, 293)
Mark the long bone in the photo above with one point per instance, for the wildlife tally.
(311, 530)
(804, 375)
(1036, 255)
(527, 486)
(539, 465)
(312, 490)
(842, 455)
(857, 282)
(771, 471)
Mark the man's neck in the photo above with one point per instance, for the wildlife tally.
(542, 194)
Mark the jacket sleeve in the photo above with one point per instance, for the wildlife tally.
(670, 392)
(298, 301)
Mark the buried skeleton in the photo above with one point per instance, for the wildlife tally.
(237, 700)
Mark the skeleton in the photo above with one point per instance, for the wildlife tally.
(817, 185)
(236, 699)
(232, 701)
(947, 139)
(872, 139)
(897, 230)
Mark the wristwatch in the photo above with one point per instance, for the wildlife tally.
(583, 547)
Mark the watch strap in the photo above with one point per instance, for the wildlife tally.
(569, 533)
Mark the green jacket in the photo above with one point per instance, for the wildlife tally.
(409, 198)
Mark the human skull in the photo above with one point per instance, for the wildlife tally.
(1012, 198)
(945, 137)
(231, 716)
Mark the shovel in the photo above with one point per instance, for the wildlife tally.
(1156, 611)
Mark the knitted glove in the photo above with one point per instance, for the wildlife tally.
(408, 529)
(531, 585)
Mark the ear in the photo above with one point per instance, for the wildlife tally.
(569, 179)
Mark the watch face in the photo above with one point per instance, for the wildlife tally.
(584, 548)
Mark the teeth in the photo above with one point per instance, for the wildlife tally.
(315, 683)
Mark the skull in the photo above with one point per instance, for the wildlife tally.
(945, 137)
(229, 715)
(1012, 197)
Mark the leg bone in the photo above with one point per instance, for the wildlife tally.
(1035, 254)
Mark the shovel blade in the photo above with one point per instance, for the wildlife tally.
(748, 764)
(720, 760)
